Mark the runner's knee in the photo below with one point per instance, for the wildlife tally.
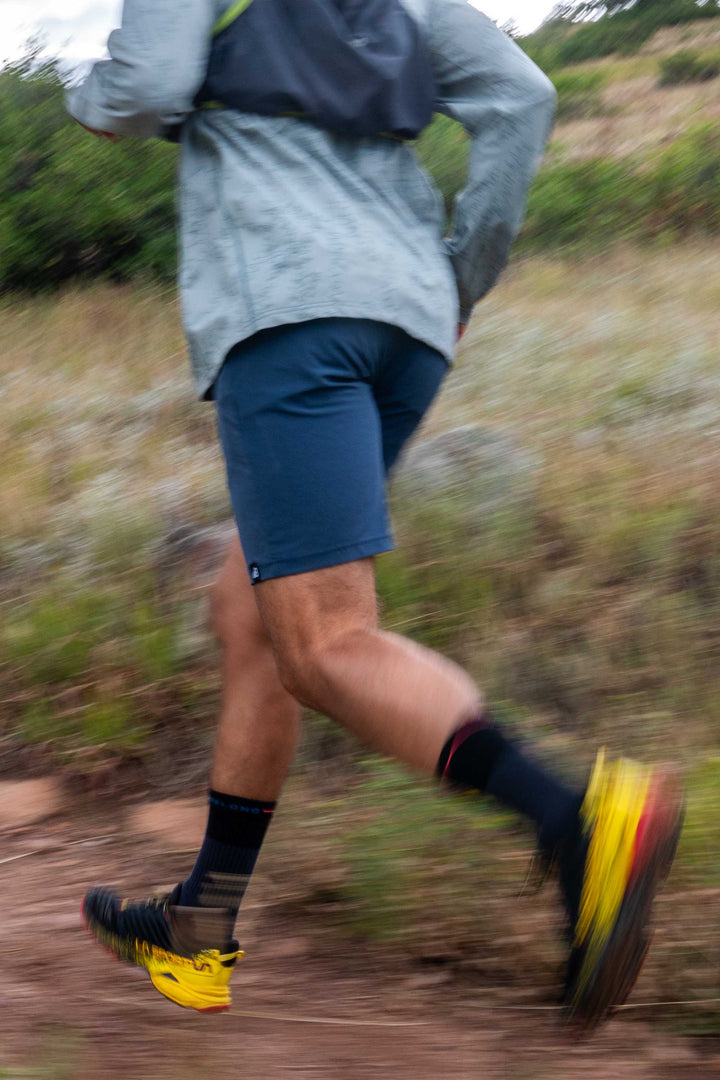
(312, 619)
(308, 665)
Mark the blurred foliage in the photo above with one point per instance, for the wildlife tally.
(685, 184)
(77, 655)
(73, 205)
(564, 39)
(579, 93)
(395, 848)
(688, 66)
(589, 202)
(444, 149)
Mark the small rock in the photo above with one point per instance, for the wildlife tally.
(180, 823)
(427, 980)
(288, 948)
(25, 802)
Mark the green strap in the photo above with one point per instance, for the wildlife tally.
(230, 16)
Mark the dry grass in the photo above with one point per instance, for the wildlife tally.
(638, 117)
(100, 420)
(606, 370)
(703, 34)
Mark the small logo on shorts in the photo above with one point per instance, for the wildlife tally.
(255, 574)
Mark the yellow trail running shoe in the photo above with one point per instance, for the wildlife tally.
(629, 826)
(186, 951)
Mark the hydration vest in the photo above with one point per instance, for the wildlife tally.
(358, 67)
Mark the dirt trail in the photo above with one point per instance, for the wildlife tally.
(67, 1012)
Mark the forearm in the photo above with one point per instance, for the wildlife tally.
(96, 106)
(489, 212)
(156, 66)
(507, 106)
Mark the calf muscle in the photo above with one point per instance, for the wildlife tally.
(259, 721)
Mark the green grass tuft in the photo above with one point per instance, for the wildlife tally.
(688, 66)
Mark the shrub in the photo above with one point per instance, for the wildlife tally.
(71, 205)
(684, 185)
(543, 45)
(688, 67)
(579, 93)
(594, 201)
(584, 202)
(592, 41)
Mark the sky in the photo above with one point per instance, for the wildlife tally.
(78, 29)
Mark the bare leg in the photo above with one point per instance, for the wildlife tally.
(259, 722)
(398, 697)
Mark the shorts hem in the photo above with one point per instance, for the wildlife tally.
(265, 571)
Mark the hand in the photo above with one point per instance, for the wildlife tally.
(462, 327)
(101, 134)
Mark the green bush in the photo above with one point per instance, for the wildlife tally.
(72, 205)
(79, 653)
(584, 202)
(579, 93)
(111, 722)
(688, 67)
(684, 185)
(589, 202)
(76, 207)
(51, 639)
(614, 34)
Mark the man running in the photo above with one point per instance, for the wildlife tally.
(322, 302)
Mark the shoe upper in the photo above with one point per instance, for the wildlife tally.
(158, 922)
(610, 869)
(610, 816)
(187, 952)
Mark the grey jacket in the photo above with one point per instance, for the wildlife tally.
(281, 222)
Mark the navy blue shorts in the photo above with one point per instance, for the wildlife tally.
(312, 416)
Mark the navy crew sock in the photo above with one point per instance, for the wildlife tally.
(235, 832)
(478, 756)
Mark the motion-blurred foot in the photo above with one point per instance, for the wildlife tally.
(187, 951)
(610, 872)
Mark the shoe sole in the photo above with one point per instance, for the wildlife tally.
(621, 961)
(89, 924)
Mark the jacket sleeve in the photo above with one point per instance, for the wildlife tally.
(157, 64)
(507, 106)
